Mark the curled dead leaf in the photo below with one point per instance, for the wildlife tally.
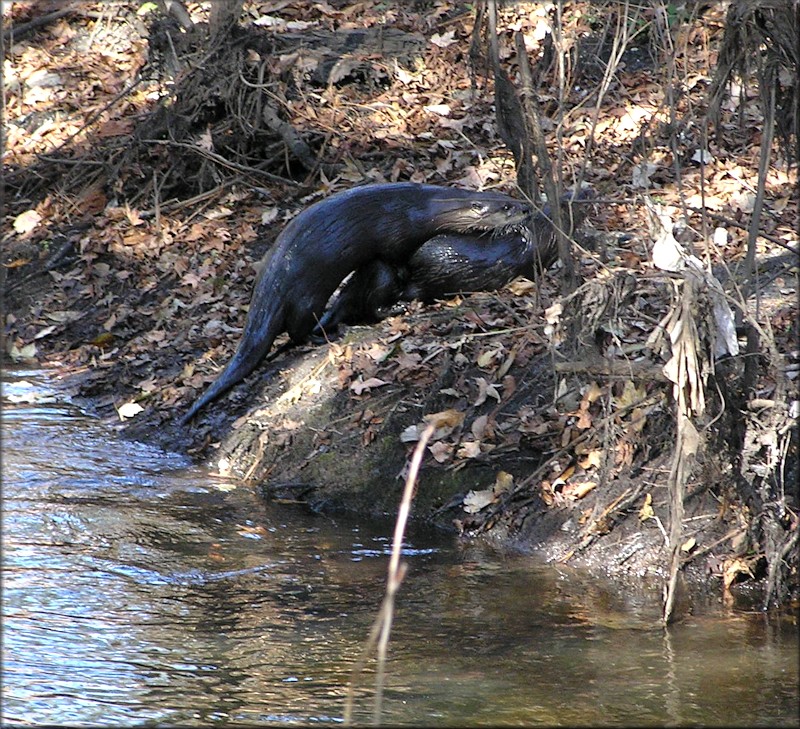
(579, 490)
(445, 422)
(44, 332)
(733, 568)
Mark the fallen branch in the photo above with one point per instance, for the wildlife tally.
(16, 32)
(613, 368)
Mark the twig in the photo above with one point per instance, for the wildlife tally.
(549, 179)
(614, 368)
(379, 634)
(705, 550)
(220, 160)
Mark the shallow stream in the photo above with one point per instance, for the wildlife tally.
(140, 589)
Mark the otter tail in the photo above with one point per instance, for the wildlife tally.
(262, 326)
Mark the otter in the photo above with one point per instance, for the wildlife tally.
(448, 264)
(342, 233)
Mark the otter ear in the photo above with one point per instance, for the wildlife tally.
(479, 206)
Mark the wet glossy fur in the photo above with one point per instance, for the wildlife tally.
(328, 240)
(445, 265)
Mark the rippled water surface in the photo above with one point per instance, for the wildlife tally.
(139, 589)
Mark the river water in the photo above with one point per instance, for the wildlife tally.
(139, 589)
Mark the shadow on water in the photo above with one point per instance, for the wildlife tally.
(140, 589)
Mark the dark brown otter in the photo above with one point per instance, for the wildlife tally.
(446, 265)
(345, 232)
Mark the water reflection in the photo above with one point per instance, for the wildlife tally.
(137, 590)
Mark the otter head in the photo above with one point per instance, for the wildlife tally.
(481, 213)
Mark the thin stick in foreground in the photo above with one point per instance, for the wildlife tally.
(379, 634)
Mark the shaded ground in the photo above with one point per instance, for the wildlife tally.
(134, 239)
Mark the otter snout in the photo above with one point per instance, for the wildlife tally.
(483, 213)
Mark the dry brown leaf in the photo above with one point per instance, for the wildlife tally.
(441, 451)
(478, 426)
(485, 389)
(469, 449)
(445, 419)
(593, 459)
(503, 482)
(732, 568)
